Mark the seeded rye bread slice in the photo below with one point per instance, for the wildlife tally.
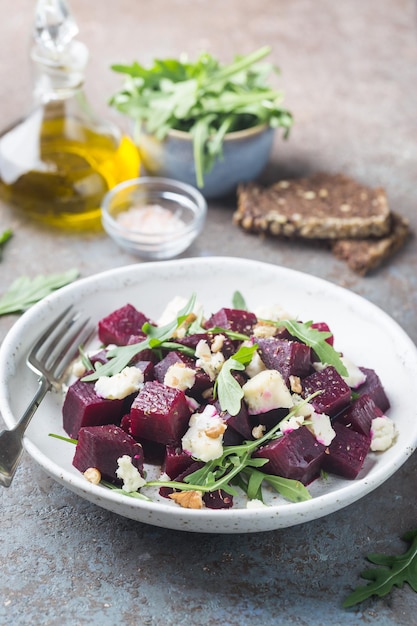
(323, 206)
(364, 255)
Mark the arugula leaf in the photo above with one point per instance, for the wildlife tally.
(26, 290)
(253, 487)
(238, 301)
(292, 490)
(232, 334)
(395, 571)
(67, 439)
(316, 339)
(226, 387)
(121, 356)
(131, 494)
(205, 98)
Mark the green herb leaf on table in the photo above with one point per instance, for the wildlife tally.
(26, 291)
(393, 571)
(205, 98)
(4, 237)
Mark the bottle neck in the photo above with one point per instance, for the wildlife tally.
(59, 77)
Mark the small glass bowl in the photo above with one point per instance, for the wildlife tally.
(153, 218)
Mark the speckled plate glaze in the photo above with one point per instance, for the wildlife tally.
(362, 331)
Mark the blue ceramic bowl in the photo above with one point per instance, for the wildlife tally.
(245, 154)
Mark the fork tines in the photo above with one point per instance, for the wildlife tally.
(60, 343)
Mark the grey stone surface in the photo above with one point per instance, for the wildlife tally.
(349, 71)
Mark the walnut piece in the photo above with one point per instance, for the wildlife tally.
(188, 499)
(93, 475)
(263, 330)
(295, 384)
(258, 431)
(215, 431)
(181, 331)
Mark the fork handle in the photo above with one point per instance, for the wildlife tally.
(23, 423)
(11, 441)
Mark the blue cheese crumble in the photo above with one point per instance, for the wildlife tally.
(129, 474)
(121, 385)
(204, 437)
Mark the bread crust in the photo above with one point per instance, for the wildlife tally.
(364, 255)
(323, 206)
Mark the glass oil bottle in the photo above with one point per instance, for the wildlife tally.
(58, 162)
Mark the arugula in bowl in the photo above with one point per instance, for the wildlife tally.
(206, 99)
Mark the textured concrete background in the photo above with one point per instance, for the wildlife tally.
(349, 71)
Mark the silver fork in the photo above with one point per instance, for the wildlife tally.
(49, 357)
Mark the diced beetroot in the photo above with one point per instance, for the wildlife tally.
(191, 341)
(171, 358)
(202, 380)
(118, 327)
(290, 358)
(154, 453)
(176, 461)
(83, 407)
(101, 446)
(99, 357)
(335, 394)
(323, 327)
(159, 413)
(360, 414)
(166, 491)
(233, 319)
(240, 422)
(125, 423)
(269, 419)
(218, 499)
(346, 454)
(374, 388)
(147, 368)
(231, 437)
(297, 455)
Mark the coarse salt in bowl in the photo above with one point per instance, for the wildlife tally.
(153, 218)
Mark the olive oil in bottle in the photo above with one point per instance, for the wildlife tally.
(57, 163)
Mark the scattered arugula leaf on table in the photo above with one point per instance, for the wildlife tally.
(25, 290)
(4, 237)
(395, 570)
(205, 98)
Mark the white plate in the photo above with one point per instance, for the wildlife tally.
(363, 332)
